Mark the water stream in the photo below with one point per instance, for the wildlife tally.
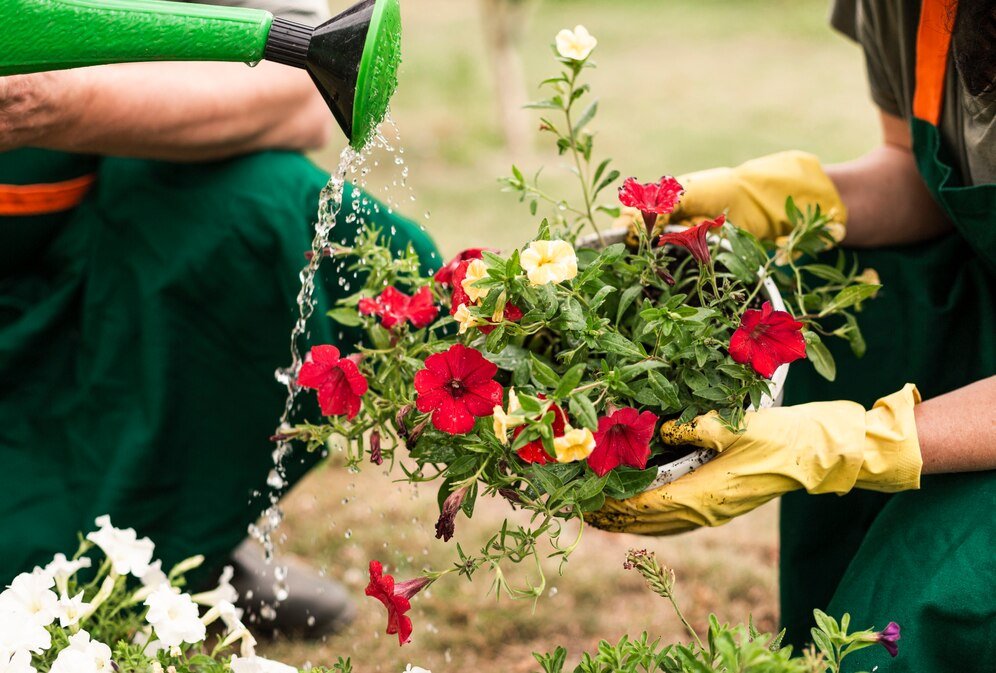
(354, 167)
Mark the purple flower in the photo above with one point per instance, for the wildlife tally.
(888, 637)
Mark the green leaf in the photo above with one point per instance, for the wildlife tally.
(665, 391)
(573, 314)
(586, 117)
(584, 411)
(569, 381)
(855, 337)
(625, 482)
(616, 343)
(626, 300)
(826, 272)
(544, 374)
(345, 316)
(849, 296)
(820, 356)
(712, 394)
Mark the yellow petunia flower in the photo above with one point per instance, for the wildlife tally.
(549, 262)
(574, 445)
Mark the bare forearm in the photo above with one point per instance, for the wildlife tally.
(957, 431)
(886, 198)
(177, 111)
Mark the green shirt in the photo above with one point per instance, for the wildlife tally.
(887, 30)
(309, 12)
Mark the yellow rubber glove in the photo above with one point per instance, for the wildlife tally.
(753, 194)
(823, 447)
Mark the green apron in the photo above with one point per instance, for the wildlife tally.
(139, 336)
(925, 559)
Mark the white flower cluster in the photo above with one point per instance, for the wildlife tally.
(34, 602)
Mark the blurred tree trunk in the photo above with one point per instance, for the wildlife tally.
(504, 24)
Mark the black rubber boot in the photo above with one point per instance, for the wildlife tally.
(313, 606)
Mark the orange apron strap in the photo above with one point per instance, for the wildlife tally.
(933, 42)
(23, 200)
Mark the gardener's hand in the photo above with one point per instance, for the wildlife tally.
(753, 194)
(823, 447)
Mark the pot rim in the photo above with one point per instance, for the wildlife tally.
(679, 468)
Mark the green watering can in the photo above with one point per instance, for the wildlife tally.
(353, 58)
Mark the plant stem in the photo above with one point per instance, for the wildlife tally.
(577, 158)
(681, 616)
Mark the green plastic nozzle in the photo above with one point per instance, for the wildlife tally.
(353, 58)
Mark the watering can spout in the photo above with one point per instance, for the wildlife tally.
(353, 58)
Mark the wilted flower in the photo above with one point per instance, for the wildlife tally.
(445, 525)
(767, 339)
(651, 199)
(83, 656)
(549, 262)
(174, 617)
(782, 256)
(397, 599)
(623, 438)
(339, 382)
(694, 240)
(457, 386)
(576, 44)
(574, 445)
(476, 270)
(837, 231)
(394, 307)
(127, 553)
(376, 456)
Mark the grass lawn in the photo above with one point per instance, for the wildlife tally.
(684, 84)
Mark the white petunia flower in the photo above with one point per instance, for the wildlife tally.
(128, 553)
(575, 44)
(174, 617)
(154, 577)
(223, 593)
(549, 262)
(415, 669)
(16, 662)
(32, 595)
(83, 656)
(259, 665)
(20, 632)
(71, 610)
(62, 568)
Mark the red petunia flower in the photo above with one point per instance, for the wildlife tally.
(623, 438)
(394, 307)
(339, 383)
(458, 387)
(445, 275)
(512, 313)
(459, 296)
(534, 451)
(396, 598)
(767, 339)
(693, 239)
(651, 199)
